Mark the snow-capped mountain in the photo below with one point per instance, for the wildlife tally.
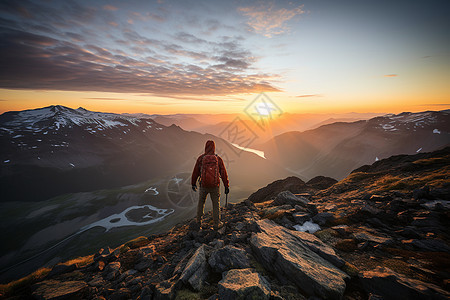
(41, 135)
(54, 150)
(336, 149)
(412, 121)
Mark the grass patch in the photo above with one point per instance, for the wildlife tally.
(433, 161)
(80, 261)
(326, 235)
(23, 285)
(347, 245)
(187, 295)
(138, 242)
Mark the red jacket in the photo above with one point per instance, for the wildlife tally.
(210, 148)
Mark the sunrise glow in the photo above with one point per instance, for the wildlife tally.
(215, 57)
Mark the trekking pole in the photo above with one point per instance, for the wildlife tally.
(225, 208)
(226, 200)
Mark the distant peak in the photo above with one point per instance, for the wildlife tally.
(57, 108)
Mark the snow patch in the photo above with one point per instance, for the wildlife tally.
(177, 180)
(72, 165)
(121, 219)
(17, 136)
(377, 159)
(418, 150)
(309, 226)
(151, 191)
(7, 161)
(436, 131)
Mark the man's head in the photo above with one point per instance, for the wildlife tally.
(210, 147)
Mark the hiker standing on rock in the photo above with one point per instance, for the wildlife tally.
(210, 168)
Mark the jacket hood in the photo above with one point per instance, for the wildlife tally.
(210, 147)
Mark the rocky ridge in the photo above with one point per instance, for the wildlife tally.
(377, 240)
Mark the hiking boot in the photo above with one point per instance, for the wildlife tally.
(218, 226)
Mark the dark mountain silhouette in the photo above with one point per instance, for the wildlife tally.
(336, 149)
(55, 150)
(381, 233)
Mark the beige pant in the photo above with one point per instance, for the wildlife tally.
(214, 194)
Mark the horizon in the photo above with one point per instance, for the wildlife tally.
(210, 57)
(228, 114)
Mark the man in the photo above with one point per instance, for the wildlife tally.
(210, 168)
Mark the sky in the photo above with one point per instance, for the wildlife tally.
(162, 56)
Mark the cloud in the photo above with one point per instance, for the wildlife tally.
(391, 75)
(105, 98)
(32, 61)
(435, 104)
(220, 99)
(189, 38)
(268, 20)
(110, 8)
(309, 95)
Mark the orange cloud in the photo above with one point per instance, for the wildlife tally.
(110, 7)
(269, 21)
(309, 95)
(391, 75)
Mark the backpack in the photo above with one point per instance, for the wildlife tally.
(210, 171)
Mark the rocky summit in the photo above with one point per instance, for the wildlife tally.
(381, 233)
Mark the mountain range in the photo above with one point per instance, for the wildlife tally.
(381, 233)
(55, 150)
(72, 180)
(336, 149)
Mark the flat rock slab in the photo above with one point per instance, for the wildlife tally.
(228, 257)
(243, 284)
(54, 289)
(364, 234)
(300, 258)
(196, 269)
(393, 286)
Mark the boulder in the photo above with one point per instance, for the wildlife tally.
(53, 289)
(422, 193)
(299, 258)
(391, 285)
(120, 294)
(292, 184)
(97, 281)
(106, 255)
(364, 234)
(112, 271)
(196, 269)
(61, 269)
(300, 217)
(167, 289)
(228, 257)
(435, 245)
(321, 182)
(243, 284)
(323, 218)
(146, 293)
(287, 197)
